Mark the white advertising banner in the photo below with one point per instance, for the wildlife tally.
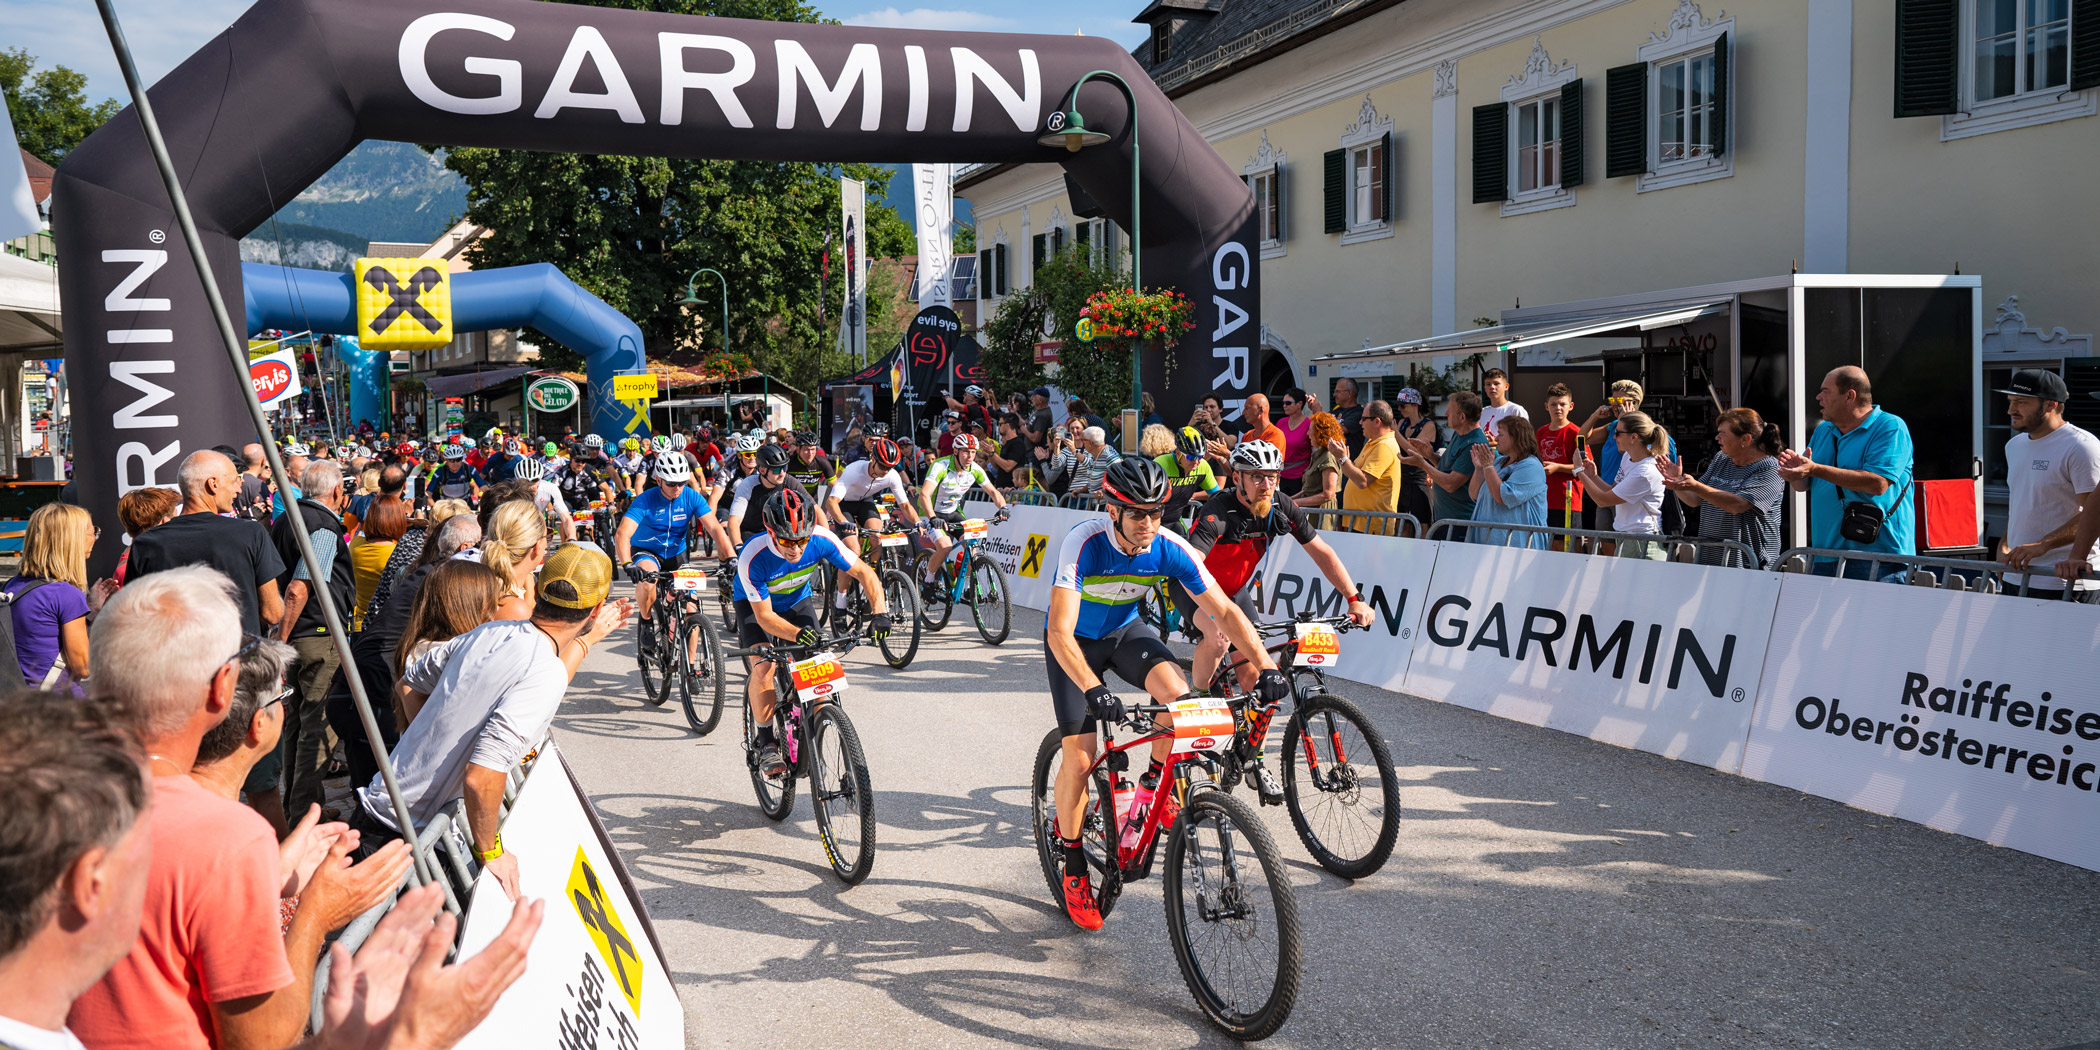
(594, 976)
(1655, 656)
(1394, 576)
(934, 186)
(853, 227)
(1975, 714)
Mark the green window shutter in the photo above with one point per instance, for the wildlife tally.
(1083, 233)
(1385, 177)
(984, 273)
(2085, 44)
(1337, 162)
(1720, 121)
(999, 256)
(1040, 242)
(1626, 120)
(1571, 134)
(1282, 207)
(1928, 57)
(1491, 153)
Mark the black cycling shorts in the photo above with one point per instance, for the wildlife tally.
(661, 562)
(1133, 650)
(1186, 603)
(860, 511)
(749, 633)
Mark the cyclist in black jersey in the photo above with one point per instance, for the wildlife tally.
(809, 465)
(747, 507)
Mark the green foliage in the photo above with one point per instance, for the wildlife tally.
(1008, 353)
(1454, 377)
(49, 107)
(1098, 371)
(965, 239)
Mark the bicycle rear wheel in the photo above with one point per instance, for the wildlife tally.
(1094, 839)
(702, 678)
(990, 604)
(840, 793)
(1232, 916)
(934, 614)
(1339, 785)
(776, 795)
(903, 642)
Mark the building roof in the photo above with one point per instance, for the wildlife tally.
(39, 176)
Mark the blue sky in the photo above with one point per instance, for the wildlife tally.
(163, 33)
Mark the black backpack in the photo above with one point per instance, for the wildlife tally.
(9, 658)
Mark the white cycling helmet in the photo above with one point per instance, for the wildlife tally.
(664, 442)
(974, 391)
(1256, 455)
(672, 466)
(593, 441)
(749, 443)
(530, 470)
(294, 448)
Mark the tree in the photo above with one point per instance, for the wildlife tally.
(51, 114)
(632, 230)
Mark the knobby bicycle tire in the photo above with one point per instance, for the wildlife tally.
(1251, 842)
(775, 798)
(934, 614)
(655, 661)
(1099, 845)
(701, 689)
(990, 600)
(851, 864)
(1320, 716)
(903, 642)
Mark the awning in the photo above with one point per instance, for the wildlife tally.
(709, 402)
(29, 315)
(1533, 333)
(462, 385)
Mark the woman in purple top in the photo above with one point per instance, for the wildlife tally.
(49, 602)
(1297, 447)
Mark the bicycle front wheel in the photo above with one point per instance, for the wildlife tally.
(702, 678)
(903, 642)
(1339, 785)
(1232, 916)
(933, 613)
(840, 793)
(990, 604)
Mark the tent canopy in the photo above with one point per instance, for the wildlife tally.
(28, 307)
(1520, 334)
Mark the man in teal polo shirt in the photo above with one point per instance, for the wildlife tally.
(1858, 453)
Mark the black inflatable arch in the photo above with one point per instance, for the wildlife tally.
(271, 104)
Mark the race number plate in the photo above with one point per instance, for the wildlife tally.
(689, 580)
(1318, 646)
(818, 678)
(894, 539)
(1201, 725)
(974, 528)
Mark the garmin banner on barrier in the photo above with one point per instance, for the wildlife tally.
(272, 103)
(1971, 713)
(1654, 656)
(1394, 576)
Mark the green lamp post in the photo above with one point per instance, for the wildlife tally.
(1067, 129)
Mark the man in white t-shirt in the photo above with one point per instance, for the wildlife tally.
(1494, 389)
(2052, 468)
(479, 702)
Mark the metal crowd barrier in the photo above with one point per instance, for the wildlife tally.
(1371, 522)
(1688, 550)
(1924, 570)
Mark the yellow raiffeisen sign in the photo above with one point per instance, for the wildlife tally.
(403, 304)
(635, 388)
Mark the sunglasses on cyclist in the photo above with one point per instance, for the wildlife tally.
(1147, 513)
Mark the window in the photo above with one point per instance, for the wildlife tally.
(1994, 65)
(2020, 46)
(1264, 176)
(1359, 179)
(1684, 97)
(1367, 183)
(1666, 117)
(1538, 145)
(1527, 148)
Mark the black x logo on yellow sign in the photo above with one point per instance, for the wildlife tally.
(406, 298)
(1032, 555)
(403, 304)
(610, 935)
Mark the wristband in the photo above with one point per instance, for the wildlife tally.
(492, 852)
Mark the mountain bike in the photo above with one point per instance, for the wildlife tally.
(819, 742)
(681, 647)
(982, 587)
(902, 596)
(1231, 912)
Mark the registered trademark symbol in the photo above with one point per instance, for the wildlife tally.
(1407, 632)
(1737, 696)
(1057, 121)
(156, 236)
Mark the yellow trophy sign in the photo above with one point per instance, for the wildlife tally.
(403, 304)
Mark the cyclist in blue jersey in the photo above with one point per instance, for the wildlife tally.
(652, 534)
(1106, 566)
(774, 600)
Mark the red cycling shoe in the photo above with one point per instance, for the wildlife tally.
(1079, 902)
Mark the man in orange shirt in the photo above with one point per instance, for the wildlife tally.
(1255, 413)
(210, 967)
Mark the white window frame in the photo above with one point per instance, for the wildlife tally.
(1266, 162)
(1359, 138)
(1098, 234)
(2023, 110)
(1539, 81)
(1689, 34)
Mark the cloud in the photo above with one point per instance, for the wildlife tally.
(931, 18)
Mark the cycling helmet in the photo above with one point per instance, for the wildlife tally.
(748, 444)
(806, 437)
(466, 442)
(404, 449)
(593, 441)
(789, 515)
(965, 443)
(884, 452)
(1189, 442)
(455, 452)
(1135, 481)
(974, 391)
(530, 470)
(672, 466)
(632, 444)
(663, 443)
(876, 430)
(550, 449)
(772, 457)
(294, 448)
(364, 451)
(454, 440)
(1256, 455)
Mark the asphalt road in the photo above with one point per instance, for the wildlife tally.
(1546, 892)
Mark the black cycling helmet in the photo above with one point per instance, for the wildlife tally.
(1135, 481)
(789, 516)
(884, 452)
(772, 457)
(806, 437)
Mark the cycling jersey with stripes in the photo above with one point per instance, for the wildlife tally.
(760, 568)
(1110, 583)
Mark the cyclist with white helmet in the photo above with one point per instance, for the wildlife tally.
(852, 499)
(652, 534)
(735, 469)
(455, 480)
(547, 494)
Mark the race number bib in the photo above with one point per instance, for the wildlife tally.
(1201, 725)
(818, 677)
(894, 539)
(1318, 646)
(974, 528)
(689, 580)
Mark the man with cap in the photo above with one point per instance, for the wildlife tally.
(2051, 468)
(479, 702)
(1038, 429)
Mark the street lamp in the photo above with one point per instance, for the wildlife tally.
(1068, 130)
(692, 298)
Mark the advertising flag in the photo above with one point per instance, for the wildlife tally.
(935, 193)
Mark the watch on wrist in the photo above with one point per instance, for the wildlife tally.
(492, 852)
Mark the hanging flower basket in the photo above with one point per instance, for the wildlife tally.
(1155, 318)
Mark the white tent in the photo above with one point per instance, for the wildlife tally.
(29, 328)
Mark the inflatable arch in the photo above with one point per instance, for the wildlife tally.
(272, 103)
(539, 295)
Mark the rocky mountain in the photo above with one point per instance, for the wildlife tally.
(382, 191)
(297, 244)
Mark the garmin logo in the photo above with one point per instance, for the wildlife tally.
(1603, 646)
(691, 67)
(1231, 269)
(139, 459)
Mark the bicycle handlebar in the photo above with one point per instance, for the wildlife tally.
(842, 645)
(1342, 624)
